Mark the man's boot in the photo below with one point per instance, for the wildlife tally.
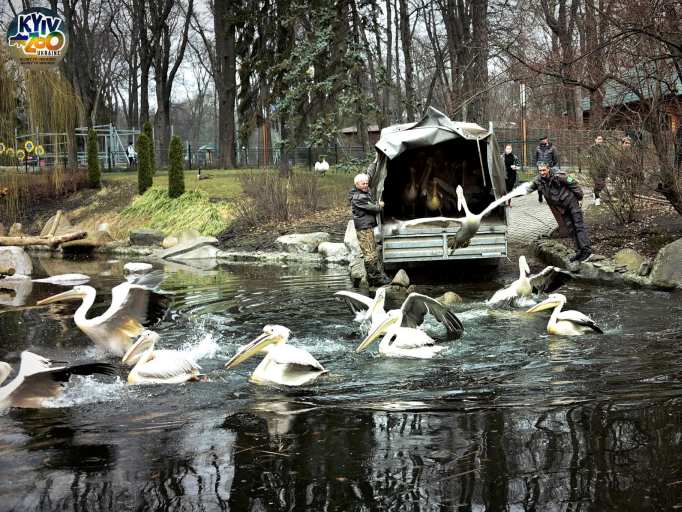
(375, 276)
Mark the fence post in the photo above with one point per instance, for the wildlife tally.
(310, 158)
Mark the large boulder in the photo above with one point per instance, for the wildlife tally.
(146, 237)
(15, 258)
(333, 251)
(63, 226)
(449, 298)
(401, 279)
(202, 247)
(667, 268)
(15, 290)
(16, 230)
(169, 241)
(351, 239)
(628, 258)
(301, 242)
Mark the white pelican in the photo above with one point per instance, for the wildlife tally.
(565, 323)
(38, 380)
(158, 366)
(547, 280)
(470, 223)
(283, 365)
(132, 305)
(366, 309)
(398, 341)
(64, 279)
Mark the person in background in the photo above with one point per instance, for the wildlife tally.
(511, 165)
(131, 154)
(600, 159)
(546, 152)
(365, 210)
(564, 194)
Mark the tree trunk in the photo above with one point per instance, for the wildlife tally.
(386, 101)
(226, 84)
(406, 38)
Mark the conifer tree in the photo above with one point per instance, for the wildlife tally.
(147, 129)
(144, 170)
(176, 177)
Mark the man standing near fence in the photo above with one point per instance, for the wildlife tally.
(600, 159)
(365, 209)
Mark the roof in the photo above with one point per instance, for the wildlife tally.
(617, 94)
(354, 129)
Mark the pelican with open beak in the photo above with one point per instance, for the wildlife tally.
(283, 364)
(37, 380)
(133, 305)
(565, 323)
(546, 281)
(152, 366)
(470, 223)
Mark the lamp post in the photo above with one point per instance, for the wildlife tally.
(524, 128)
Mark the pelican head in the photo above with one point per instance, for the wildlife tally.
(144, 343)
(523, 265)
(77, 292)
(394, 317)
(550, 302)
(271, 334)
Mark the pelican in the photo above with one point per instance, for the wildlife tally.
(547, 280)
(152, 366)
(132, 305)
(38, 380)
(365, 308)
(64, 279)
(470, 223)
(565, 323)
(283, 365)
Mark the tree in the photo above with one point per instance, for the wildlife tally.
(147, 129)
(94, 177)
(176, 176)
(144, 169)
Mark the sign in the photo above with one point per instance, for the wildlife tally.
(37, 37)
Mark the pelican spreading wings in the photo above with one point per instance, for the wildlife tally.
(133, 305)
(565, 323)
(37, 380)
(401, 336)
(366, 309)
(152, 366)
(545, 281)
(470, 223)
(283, 364)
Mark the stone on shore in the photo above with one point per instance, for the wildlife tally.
(202, 247)
(16, 230)
(628, 258)
(333, 251)
(136, 267)
(16, 258)
(301, 242)
(401, 279)
(449, 298)
(146, 237)
(667, 267)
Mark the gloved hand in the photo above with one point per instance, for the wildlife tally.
(539, 198)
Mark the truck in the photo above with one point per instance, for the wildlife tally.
(417, 169)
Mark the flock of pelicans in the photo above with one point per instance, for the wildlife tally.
(135, 303)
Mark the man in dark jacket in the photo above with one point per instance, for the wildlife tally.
(365, 209)
(600, 159)
(563, 193)
(546, 152)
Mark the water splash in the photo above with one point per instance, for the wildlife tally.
(85, 390)
(204, 346)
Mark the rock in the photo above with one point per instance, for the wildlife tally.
(628, 258)
(197, 248)
(134, 267)
(398, 294)
(63, 227)
(16, 230)
(17, 259)
(169, 241)
(188, 234)
(645, 268)
(449, 298)
(667, 266)
(597, 257)
(333, 251)
(351, 239)
(301, 242)
(401, 279)
(357, 269)
(146, 237)
(3, 230)
(15, 291)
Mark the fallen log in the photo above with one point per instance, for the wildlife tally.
(52, 241)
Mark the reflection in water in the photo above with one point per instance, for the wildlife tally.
(507, 419)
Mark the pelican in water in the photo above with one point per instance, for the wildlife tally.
(565, 323)
(37, 380)
(470, 223)
(546, 281)
(152, 366)
(401, 336)
(132, 305)
(283, 364)
(414, 310)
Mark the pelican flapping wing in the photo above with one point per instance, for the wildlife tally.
(549, 279)
(517, 192)
(578, 318)
(167, 366)
(290, 355)
(416, 306)
(357, 302)
(438, 221)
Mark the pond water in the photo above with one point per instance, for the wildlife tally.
(507, 418)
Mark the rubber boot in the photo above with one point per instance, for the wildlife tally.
(375, 276)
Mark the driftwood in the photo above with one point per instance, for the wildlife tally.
(52, 241)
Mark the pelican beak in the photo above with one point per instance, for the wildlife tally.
(251, 349)
(381, 329)
(132, 356)
(548, 303)
(67, 295)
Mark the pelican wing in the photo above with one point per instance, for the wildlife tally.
(518, 191)
(409, 338)
(579, 318)
(356, 301)
(288, 354)
(438, 221)
(549, 279)
(167, 365)
(502, 298)
(132, 306)
(416, 306)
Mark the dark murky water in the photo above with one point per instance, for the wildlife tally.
(507, 419)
